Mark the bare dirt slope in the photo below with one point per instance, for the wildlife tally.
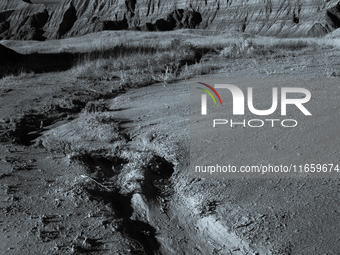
(87, 167)
(268, 216)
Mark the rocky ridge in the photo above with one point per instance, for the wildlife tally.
(51, 20)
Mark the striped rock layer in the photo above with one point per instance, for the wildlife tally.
(53, 19)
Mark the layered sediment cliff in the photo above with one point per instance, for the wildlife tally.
(65, 18)
(12, 4)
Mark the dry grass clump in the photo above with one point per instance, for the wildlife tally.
(147, 62)
(139, 65)
(251, 48)
(135, 58)
(16, 71)
(238, 48)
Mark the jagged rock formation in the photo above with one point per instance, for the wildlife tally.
(68, 20)
(178, 18)
(65, 18)
(12, 4)
(30, 28)
(24, 23)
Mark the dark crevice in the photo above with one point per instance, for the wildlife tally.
(142, 232)
(130, 5)
(114, 25)
(333, 19)
(69, 18)
(177, 19)
(156, 176)
(29, 127)
(157, 173)
(99, 167)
